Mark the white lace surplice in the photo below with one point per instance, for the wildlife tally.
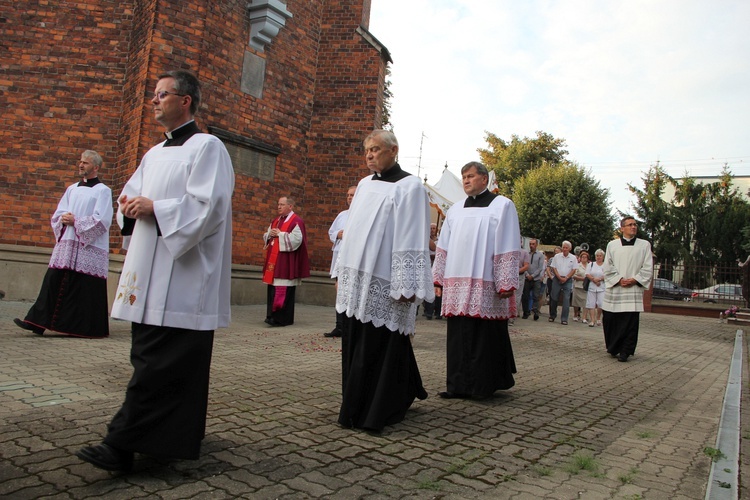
(476, 258)
(83, 247)
(385, 254)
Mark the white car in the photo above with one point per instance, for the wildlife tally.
(726, 293)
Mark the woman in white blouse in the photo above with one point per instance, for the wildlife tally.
(595, 296)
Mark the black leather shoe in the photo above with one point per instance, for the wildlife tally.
(525, 316)
(333, 333)
(27, 326)
(622, 358)
(268, 320)
(452, 395)
(106, 457)
(536, 317)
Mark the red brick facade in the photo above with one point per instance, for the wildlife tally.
(75, 75)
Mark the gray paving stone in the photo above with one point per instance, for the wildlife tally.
(272, 431)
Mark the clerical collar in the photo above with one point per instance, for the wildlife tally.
(89, 182)
(393, 174)
(483, 199)
(627, 242)
(181, 134)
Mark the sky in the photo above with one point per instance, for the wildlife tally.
(626, 83)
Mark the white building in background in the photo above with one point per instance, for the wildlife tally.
(739, 182)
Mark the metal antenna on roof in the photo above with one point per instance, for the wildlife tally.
(419, 165)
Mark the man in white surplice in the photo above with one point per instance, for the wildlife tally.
(336, 234)
(628, 269)
(383, 273)
(476, 272)
(175, 283)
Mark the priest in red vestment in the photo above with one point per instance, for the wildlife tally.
(286, 262)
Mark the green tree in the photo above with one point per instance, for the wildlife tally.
(512, 160)
(563, 202)
(656, 217)
(718, 238)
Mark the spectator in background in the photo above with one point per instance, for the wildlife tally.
(549, 273)
(595, 295)
(523, 266)
(563, 266)
(579, 294)
(533, 288)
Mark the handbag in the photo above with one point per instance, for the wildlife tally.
(586, 281)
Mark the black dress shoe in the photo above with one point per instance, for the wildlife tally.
(268, 320)
(525, 316)
(452, 395)
(622, 358)
(536, 317)
(106, 457)
(333, 333)
(27, 326)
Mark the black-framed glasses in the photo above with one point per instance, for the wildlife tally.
(163, 93)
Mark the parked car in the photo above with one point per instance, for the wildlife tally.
(665, 289)
(726, 293)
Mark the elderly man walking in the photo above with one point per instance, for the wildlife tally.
(383, 273)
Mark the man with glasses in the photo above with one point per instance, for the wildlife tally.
(176, 218)
(627, 274)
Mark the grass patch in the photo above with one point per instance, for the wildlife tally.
(713, 453)
(628, 478)
(461, 465)
(541, 470)
(429, 485)
(582, 460)
(645, 434)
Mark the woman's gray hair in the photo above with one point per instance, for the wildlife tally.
(599, 252)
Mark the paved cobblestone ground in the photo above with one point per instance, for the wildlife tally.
(578, 424)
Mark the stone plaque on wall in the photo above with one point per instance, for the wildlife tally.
(252, 163)
(249, 156)
(253, 75)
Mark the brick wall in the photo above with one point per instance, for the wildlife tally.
(75, 75)
(62, 67)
